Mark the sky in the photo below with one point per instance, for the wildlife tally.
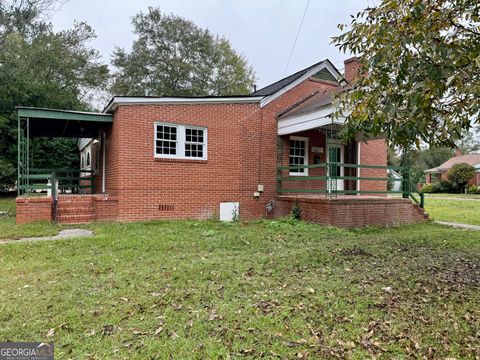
(263, 30)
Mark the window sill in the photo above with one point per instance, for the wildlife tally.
(173, 160)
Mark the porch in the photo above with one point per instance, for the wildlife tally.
(337, 183)
(65, 195)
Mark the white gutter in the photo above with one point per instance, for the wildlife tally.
(117, 101)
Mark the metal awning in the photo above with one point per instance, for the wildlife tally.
(63, 123)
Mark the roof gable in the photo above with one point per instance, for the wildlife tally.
(323, 70)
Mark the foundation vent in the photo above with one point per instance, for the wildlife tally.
(166, 207)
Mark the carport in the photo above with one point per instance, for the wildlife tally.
(41, 122)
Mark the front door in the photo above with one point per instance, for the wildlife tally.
(336, 154)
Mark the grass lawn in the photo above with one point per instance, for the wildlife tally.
(10, 230)
(189, 289)
(467, 212)
(454, 196)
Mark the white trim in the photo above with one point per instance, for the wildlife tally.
(307, 121)
(180, 141)
(306, 140)
(117, 101)
(324, 64)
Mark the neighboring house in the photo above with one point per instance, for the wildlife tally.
(439, 173)
(252, 156)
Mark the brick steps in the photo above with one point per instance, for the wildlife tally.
(75, 210)
(422, 211)
(75, 219)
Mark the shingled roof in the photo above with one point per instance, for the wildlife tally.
(323, 74)
(471, 159)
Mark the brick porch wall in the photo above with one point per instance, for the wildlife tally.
(33, 209)
(71, 208)
(355, 212)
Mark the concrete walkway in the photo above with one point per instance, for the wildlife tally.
(62, 235)
(459, 225)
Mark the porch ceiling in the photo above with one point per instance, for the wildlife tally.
(63, 123)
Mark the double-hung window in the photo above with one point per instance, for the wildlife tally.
(298, 155)
(180, 141)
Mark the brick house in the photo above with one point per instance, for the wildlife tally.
(439, 173)
(252, 156)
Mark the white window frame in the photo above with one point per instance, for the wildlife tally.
(181, 141)
(304, 139)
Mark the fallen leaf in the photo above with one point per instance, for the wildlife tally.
(387, 289)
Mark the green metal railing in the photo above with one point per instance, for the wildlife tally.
(331, 177)
(73, 180)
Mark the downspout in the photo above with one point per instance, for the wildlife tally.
(358, 168)
(103, 163)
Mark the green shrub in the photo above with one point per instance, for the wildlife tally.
(296, 212)
(444, 187)
(438, 187)
(460, 174)
(427, 188)
(473, 189)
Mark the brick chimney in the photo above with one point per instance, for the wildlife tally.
(351, 69)
(458, 152)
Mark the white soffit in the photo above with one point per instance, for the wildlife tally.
(308, 121)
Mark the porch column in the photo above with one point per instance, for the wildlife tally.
(373, 152)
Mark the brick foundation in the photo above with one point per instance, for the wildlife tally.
(351, 212)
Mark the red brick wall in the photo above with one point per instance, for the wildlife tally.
(106, 207)
(242, 145)
(373, 152)
(242, 154)
(259, 148)
(354, 212)
(33, 209)
(153, 188)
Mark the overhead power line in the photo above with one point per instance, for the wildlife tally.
(296, 38)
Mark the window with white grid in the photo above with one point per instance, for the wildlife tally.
(194, 142)
(180, 141)
(166, 140)
(298, 155)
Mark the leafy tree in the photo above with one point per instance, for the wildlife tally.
(420, 160)
(421, 64)
(173, 57)
(42, 68)
(468, 143)
(460, 174)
